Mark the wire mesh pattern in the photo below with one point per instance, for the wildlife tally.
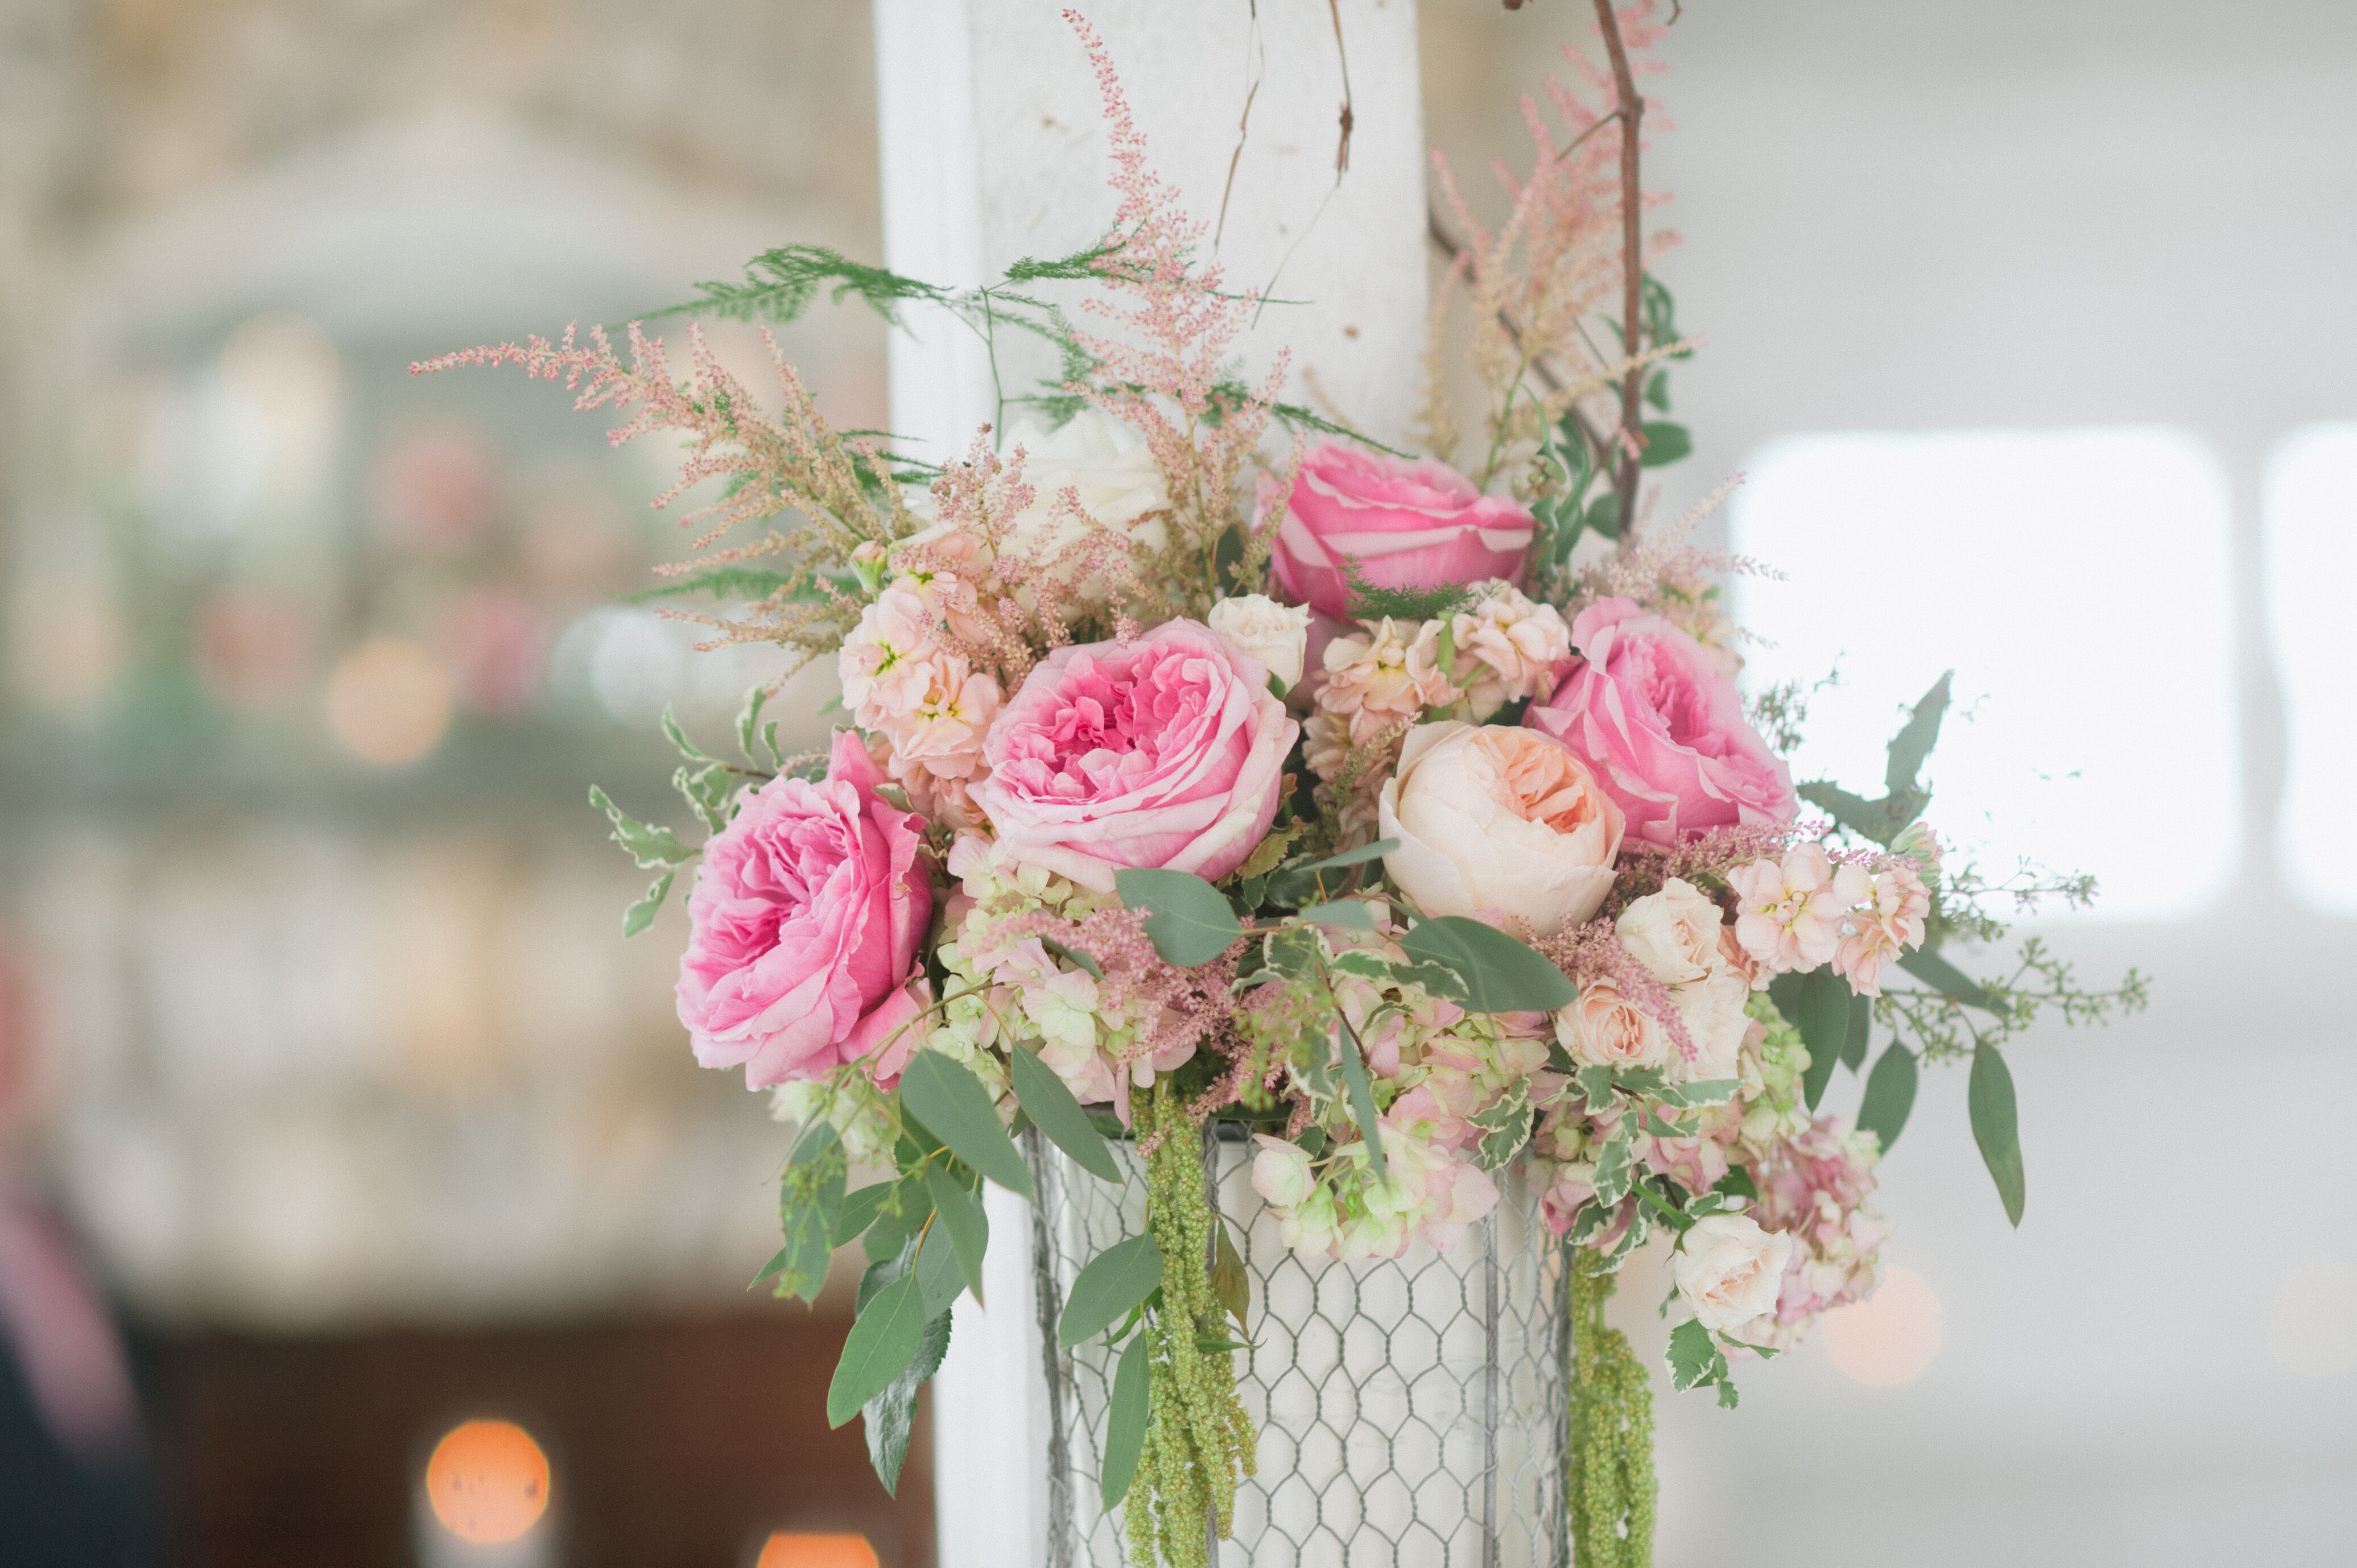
(1411, 1414)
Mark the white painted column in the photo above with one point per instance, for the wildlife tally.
(992, 150)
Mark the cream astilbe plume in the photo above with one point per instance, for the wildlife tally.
(793, 476)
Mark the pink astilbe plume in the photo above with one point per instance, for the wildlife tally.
(1539, 284)
(1174, 327)
(1594, 951)
(795, 467)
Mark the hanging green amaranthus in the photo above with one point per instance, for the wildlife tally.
(1611, 1478)
(1199, 1441)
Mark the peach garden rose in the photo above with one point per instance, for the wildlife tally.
(1495, 820)
(1663, 725)
(804, 925)
(1406, 524)
(1166, 751)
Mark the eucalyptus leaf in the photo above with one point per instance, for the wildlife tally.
(894, 1226)
(1230, 1285)
(1125, 1422)
(1187, 919)
(887, 1417)
(1861, 1024)
(856, 1211)
(1501, 974)
(1989, 1095)
(968, 1229)
(1350, 912)
(1359, 856)
(1059, 1116)
(1079, 959)
(1823, 1006)
(1362, 1099)
(1945, 978)
(938, 1271)
(950, 1101)
(1916, 738)
(1114, 1281)
(883, 1339)
(1890, 1095)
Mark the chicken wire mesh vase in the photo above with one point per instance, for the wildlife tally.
(1411, 1414)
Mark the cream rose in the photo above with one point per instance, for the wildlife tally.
(1604, 1028)
(1729, 1270)
(1496, 820)
(1673, 933)
(1277, 634)
(1711, 1009)
(1106, 463)
(1101, 460)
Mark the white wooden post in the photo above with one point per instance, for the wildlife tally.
(992, 150)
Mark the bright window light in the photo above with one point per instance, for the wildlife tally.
(2075, 580)
(2311, 540)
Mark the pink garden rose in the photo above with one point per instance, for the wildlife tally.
(1663, 728)
(804, 924)
(1407, 524)
(1166, 751)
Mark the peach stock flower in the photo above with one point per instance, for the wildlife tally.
(1790, 911)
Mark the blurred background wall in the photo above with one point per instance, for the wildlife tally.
(2030, 325)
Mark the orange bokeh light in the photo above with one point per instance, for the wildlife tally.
(488, 1481)
(783, 1550)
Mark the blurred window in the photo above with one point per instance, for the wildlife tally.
(2077, 581)
(2310, 514)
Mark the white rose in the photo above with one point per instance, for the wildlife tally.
(1673, 933)
(1495, 818)
(1107, 463)
(1729, 1270)
(1281, 1173)
(1277, 634)
(1712, 1010)
(1104, 461)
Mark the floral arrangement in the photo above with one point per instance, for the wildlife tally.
(1206, 760)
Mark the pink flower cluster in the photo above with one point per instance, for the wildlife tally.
(1817, 1187)
(907, 683)
(804, 925)
(1803, 911)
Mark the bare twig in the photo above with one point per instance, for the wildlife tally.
(1258, 54)
(1440, 236)
(1342, 149)
(1632, 263)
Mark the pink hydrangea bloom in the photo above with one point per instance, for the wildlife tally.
(804, 924)
(1663, 726)
(1406, 524)
(1889, 922)
(1817, 1186)
(1166, 751)
(1790, 912)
